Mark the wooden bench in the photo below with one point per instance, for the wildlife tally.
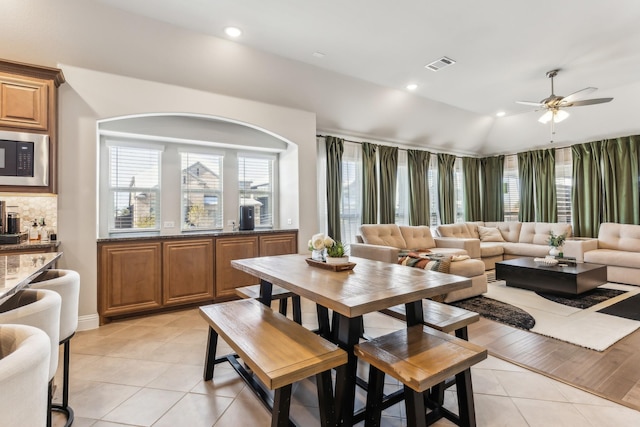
(420, 357)
(439, 316)
(277, 293)
(278, 351)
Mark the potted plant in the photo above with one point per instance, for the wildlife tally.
(336, 254)
(556, 243)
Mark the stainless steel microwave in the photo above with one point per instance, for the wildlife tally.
(24, 159)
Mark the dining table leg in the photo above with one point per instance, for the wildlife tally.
(347, 334)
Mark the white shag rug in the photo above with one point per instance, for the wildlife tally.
(586, 328)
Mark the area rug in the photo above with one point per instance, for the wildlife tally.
(584, 327)
(499, 311)
(628, 308)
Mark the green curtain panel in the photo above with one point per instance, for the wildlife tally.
(335, 148)
(471, 193)
(419, 213)
(527, 211)
(544, 164)
(492, 172)
(369, 184)
(620, 180)
(586, 194)
(446, 188)
(388, 180)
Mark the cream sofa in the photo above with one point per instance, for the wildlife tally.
(617, 246)
(496, 241)
(383, 242)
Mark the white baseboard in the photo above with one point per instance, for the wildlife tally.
(86, 323)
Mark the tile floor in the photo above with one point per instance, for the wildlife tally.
(148, 372)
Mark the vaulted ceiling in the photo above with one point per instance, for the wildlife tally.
(370, 51)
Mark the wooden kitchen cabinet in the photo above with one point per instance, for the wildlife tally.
(278, 244)
(29, 103)
(187, 271)
(227, 277)
(129, 278)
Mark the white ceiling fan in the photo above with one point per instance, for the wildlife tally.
(554, 104)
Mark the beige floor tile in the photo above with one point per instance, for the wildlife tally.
(145, 407)
(539, 413)
(190, 354)
(94, 399)
(178, 378)
(609, 416)
(109, 424)
(498, 411)
(485, 381)
(529, 385)
(245, 412)
(195, 410)
(575, 395)
(492, 362)
(226, 382)
(118, 370)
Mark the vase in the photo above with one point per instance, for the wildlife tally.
(337, 259)
(317, 255)
(554, 251)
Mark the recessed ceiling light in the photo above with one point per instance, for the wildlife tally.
(500, 113)
(233, 32)
(412, 86)
(318, 54)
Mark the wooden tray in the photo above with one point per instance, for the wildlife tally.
(333, 267)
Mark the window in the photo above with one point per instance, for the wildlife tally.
(511, 190)
(351, 203)
(134, 188)
(402, 189)
(458, 190)
(256, 183)
(201, 191)
(564, 183)
(433, 190)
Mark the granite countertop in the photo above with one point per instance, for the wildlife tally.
(29, 245)
(155, 236)
(16, 271)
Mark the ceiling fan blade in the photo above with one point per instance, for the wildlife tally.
(535, 104)
(579, 94)
(586, 102)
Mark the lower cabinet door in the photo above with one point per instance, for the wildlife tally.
(187, 271)
(227, 277)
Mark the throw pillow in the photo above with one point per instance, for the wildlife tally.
(490, 234)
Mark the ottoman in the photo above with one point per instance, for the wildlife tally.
(474, 269)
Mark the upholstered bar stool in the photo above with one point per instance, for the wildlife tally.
(39, 308)
(67, 284)
(24, 374)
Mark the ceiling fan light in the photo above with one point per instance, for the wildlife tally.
(560, 115)
(546, 117)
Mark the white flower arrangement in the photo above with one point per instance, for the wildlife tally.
(320, 242)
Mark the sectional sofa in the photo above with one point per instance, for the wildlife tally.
(496, 241)
(384, 242)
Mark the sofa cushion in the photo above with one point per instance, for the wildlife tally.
(490, 234)
(625, 237)
(383, 234)
(417, 237)
(613, 257)
(488, 249)
(510, 230)
(525, 249)
(458, 230)
(538, 232)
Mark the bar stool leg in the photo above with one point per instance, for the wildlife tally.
(375, 391)
(466, 406)
(416, 409)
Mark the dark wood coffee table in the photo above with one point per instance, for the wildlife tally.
(570, 280)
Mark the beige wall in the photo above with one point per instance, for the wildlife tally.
(89, 96)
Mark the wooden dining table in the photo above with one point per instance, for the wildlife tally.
(370, 286)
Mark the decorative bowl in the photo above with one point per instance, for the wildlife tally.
(548, 262)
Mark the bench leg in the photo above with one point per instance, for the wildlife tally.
(283, 306)
(462, 333)
(326, 402)
(281, 405)
(210, 356)
(416, 409)
(375, 391)
(466, 406)
(297, 309)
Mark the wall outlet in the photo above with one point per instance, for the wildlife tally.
(169, 224)
(231, 223)
(289, 221)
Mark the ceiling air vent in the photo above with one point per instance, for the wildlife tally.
(440, 64)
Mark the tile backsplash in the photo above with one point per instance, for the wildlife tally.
(33, 206)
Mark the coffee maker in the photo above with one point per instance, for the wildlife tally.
(10, 232)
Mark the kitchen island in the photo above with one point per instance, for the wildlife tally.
(17, 271)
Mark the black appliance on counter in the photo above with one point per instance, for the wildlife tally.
(247, 221)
